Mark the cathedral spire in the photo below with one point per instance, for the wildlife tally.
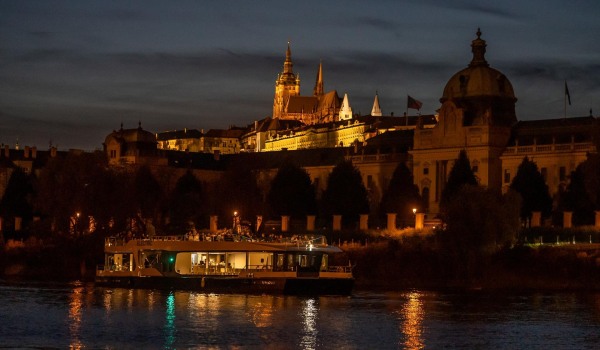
(478, 48)
(287, 65)
(319, 89)
(376, 111)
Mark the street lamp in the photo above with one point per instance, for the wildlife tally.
(414, 210)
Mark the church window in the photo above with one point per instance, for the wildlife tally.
(426, 171)
(506, 176)
(475, 168)
(562, 173)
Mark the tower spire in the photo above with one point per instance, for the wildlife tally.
(319, 89)
(478, 48)
(287, 65)
(376, 110)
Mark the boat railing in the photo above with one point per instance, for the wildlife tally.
(297, 240)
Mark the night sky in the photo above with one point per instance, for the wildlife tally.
(73, 71)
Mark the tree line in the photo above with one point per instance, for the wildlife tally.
(63, 195)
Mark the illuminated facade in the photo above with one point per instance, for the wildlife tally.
(478, 115)
(321, 107)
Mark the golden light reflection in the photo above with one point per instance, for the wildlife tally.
(412, 325)
(261, 313)
(309, 313)
(75, 311)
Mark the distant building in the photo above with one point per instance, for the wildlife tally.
(132, 146)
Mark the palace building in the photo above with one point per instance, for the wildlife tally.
(477, 114)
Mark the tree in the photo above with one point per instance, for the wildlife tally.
(583, 192)
(17, 198)
(236, 190)
(292, 193)
(148, 193)
(186, 201)
(345, 194)
(461, 174)
(530, 184)
(401, 196)
(72, 185)
(479, 222)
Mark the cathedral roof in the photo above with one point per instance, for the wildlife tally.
(302, 104)
(478, 79)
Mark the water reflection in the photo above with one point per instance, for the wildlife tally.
(261, 312)
(170, 321)
(412, 325)
(309, 314)
(75, 312)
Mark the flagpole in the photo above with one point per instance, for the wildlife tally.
(567, 97)
(406, 113)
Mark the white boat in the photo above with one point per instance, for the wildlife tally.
(212, 264)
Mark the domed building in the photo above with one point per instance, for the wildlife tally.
(478, 115)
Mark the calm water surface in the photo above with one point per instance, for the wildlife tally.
(83, 316)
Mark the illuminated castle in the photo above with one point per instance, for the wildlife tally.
(288, 104)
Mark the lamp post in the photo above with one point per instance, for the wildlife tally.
(236, 222)
(414, 210)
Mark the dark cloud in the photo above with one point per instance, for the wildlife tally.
(478, 8)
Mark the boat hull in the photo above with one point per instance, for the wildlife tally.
(212, 284)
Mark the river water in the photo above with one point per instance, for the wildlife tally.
(80, 315)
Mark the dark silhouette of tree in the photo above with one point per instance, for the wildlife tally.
(148, 193)
(530, 184)
(17, 199)
(186, 202)
(67, 186)
(345, 194)
(291, 193)
(401, 196)
(479, 222)
(461, 174)
(582, 193)
(590, 170)
(236, 190)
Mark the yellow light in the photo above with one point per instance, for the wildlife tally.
(414, 210)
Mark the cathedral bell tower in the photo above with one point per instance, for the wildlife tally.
(286, 85)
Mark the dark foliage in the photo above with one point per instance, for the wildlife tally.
(530, 184)
(186, 202)
(401, 196)
(148, 193)
(291, 193)
(577, 199)
(345, 194)
(461, 174)
(17, 200)
(237, 190)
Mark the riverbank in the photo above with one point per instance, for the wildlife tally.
(384, 265)
(390, 266)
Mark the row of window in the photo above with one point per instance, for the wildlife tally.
(562, 174)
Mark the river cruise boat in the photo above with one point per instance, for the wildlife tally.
(228, 264)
